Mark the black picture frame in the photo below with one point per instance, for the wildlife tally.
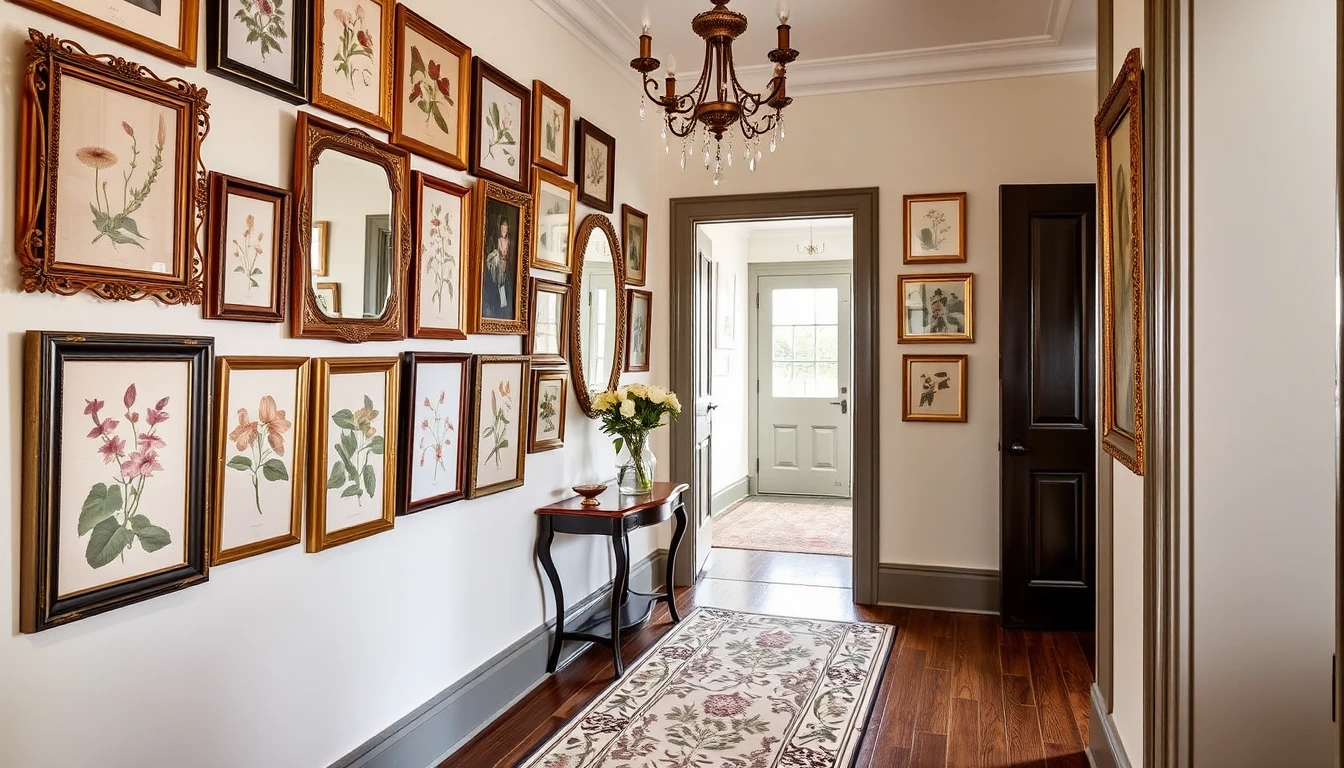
(409, 414)
(481, 71)
(296, 90)
(586, 196)
(46, 353)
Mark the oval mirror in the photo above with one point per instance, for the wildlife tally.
(598, 309)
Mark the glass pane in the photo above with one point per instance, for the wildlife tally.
(803, 375)
(828, 343)
(828, 306)
(804, 342)
(828, 380)
(783, 343)
(793, 306)
(782, 385)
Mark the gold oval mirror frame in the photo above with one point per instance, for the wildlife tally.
(599, 301)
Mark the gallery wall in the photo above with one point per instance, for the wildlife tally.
(292, 659)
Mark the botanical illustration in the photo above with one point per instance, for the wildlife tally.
(634, 248)
(265, 22)
(111, 514)
(935, 230)
(553, 130)
(441, 267)
(1122, 283)
(596, 167)
(639, 354)
(429, 89)
(930, 386)
(547, 409)
(116, 224)
(354, 56)
(437, 431)
(502, 413)
(246, 252)
(358, 443)
(500, 119)
(260, 443)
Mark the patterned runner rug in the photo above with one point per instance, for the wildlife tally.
(733, 689)
(813, 526)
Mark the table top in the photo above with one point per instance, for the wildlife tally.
(615, 504)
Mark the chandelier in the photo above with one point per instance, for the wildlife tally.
(812, 248)
(717, 101)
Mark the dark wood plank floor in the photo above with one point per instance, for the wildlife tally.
(958, 692)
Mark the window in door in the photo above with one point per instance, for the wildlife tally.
(805, 328)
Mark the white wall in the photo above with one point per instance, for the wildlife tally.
(730, 244)
(290, 659)
(776, 249)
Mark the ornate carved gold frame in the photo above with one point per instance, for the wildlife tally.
(481, 195)
(591, 222)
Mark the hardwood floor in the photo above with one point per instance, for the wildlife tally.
(958, 691)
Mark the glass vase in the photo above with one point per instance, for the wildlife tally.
(635, 467)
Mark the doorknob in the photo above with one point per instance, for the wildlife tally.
(712, 407)
(1018, 448)
(844, 405)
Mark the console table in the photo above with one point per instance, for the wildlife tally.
(615, 516)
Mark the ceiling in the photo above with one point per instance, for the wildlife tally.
(800, 229)
(849, 45)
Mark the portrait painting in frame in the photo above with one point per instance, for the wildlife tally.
(165, 28)
(546, 429)
(936, 309)
(935, 388)
(550, 129)
(432, 96)
(246, 251)
(499, 424)
(595, 167)
(439, 221)
(935, 228)
(548, 333)
(353, 59)
(261, 44)
(641, 324)
(499, 266)
(553, 200)
(501, 136)
(635, 232)
(437, 394)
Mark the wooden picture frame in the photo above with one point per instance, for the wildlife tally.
(636, 335)
(78, 485)
(550, 129)
(587, 383)
(422, 90)
(490, 393)
(937, 379)
(547, 415)
(1119, 137)
(181, 50)
(543, 352)
(440, 221)
(346, 22)
(435, 437)
(368, 428)
(334, 290)
(228, 21)
(501, 142)
(499, 307)
(635, 232)
(264, 428)
(554, 200)
(61, 69)
(595, 166)
(932, 312)
(930, 238)
(232, 268)
(319, 248)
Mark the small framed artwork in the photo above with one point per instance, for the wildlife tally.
(352, 59)
(247, 251)
(501, 138)
(165, 28)
(553, 200)
(437, 390)
(936, 309)
(935, 228)
(641, 322)
(262, 44)
(438, 254)
(595, 167)
(261, 431)
(499, 271)
(548, 335)
(1119, 133)
(546, 429)
(114, 471)
(328, 297)
(117, 152)
(725, 307)
(635, 228)
(935, 388)
(499, 424)
(352, 487)
(319, 248)
(432, 98)
(550, 128)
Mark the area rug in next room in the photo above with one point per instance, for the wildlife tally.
(724, 688)
(789, 524)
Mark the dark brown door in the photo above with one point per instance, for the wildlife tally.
(1047, 382)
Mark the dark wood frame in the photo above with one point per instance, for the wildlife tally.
(540, 175)
(542, 91)
(217, 248)
(183, 53)
(907, 411)
(408, 19)
(217, 62)
(581, 165)
(38, 174)
(419, 181)
(312, 136)
(538, 375)
(630, 295)
(382, 120)
(46, 352)
(481, 70)
(408, 460)
(566, 315)
(224, 366)
(903, 335)
(960, 198)
(524, 391)
(591, 225)
(484, 192)
(630, 212)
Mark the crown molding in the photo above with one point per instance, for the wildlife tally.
(596, 26)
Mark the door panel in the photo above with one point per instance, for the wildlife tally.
(703, 482)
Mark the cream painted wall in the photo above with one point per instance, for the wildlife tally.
(290, 659)
(729, 386)
(968, 136)
(776, 249)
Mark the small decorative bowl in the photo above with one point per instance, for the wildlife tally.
(590, 493)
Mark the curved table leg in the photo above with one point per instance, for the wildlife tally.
(680, 512)
(545, 536)
(618, 589)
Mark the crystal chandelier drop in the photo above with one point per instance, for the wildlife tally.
(812, 248)
(702, 116)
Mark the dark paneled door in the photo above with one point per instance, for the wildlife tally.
(1047, 381)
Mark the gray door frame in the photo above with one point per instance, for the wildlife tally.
(862, 205)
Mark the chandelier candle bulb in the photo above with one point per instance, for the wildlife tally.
(783, 16)
(784, 36)
(645, 44)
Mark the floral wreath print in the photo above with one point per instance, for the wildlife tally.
(354, 55)
(436, 432)
(265, 22)
(261, 443)
(430, 88)
(119, 227)
(359, 441)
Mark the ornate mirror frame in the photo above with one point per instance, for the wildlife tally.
(312, 135)
(591, 225)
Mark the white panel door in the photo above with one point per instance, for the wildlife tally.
(803, 347)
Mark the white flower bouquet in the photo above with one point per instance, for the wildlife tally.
(629, 414)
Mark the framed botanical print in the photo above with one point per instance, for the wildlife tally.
(353, 59)
(116, 151)
(246, 251)
(1119, 133)
(499, 267)
(935, 388)
(165, 28)
(553, 200)
(261, 431)
(437, 392)
(641, 322)
(550, 128)
(262, 44)
(548, 332)
(438, 254)
(352, 487)
(635, 231)
(501, 137)
(935, 309)
(328, 297)
(114, 471)
(935, 228)
(432, 99)
(546, 420)
(595, 167)
(499, 424)
(319, 249)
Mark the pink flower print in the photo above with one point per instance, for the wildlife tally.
(92, 407)
(276, 424)
(445, 88)
(129, 398)
(416, 93)
(359, 12)
(112, 450)
(246, 432)
(726, 705)
(103, 428)
(163, 134)
(141, 464)
(434, 69)
(161, 404)
(365, 41)
(424, 423)
(265, 7)
(125, 126)
(777, 639)
(427, 401)
(134, 418)
(154, 417)
(342, 16)
(443, 395)
(149, 442)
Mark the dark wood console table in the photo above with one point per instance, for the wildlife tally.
(615, 516)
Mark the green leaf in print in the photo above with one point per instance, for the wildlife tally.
(152, 537)
(345, 419)
(240, 462)
(109, 540)
(337, 478)
(274, 469)
(101, 503)
(376, 445)
(354, 447)
(370, 480)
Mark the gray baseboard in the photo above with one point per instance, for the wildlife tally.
(437, 728)
(730, 496)
(1104, 748)
(969, 590)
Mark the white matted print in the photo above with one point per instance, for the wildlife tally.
(554, 221)
(500, 422)
(261, 34)
(356, 454)
(249, 276)
(352, 55)
(935, 388)
(552, 140)
(596, 158)
(501, 121)
(440, 259)
(935, 228)
(433, 88)
(438, 430)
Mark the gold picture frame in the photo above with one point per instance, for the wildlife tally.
(537, 420)
(350, 16)
(488, 393)
(548, 224)
(936, 308)
(183, 51)
(414, 76)
(503, 310)
(550, 137)
(319, 248)
(933, 224)
(935, 376)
